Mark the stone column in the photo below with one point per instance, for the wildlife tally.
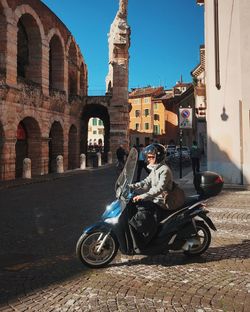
(11, 50)
(110, 159)
(82, 161)
(45, 68)
(27, 168)
(99, 156)
(59, 164)
(117, 78)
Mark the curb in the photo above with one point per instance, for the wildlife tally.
(48, 177)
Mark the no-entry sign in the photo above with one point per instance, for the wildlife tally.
(185, 118)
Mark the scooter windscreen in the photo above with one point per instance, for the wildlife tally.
(127, 174)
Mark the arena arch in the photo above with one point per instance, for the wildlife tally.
(29, 49)
(101, 112)
(56, 143)
(56, 64)
(72, 69)
(73, 157)
(28, 145)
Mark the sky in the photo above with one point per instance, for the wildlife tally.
(165, 38)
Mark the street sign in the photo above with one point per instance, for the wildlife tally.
(185, 118)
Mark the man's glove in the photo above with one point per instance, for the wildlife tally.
(131, 186)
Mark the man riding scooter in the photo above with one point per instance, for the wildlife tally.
(151, 206)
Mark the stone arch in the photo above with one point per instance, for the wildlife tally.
(101, 112)
(1, 150)
(56, 63)
(73, 157)
(56, 144)
(3, 40)
(26, 9)
(28, 145)
(29, 49)
(72, 68)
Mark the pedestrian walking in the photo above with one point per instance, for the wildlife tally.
(195, 155)
(121, 154)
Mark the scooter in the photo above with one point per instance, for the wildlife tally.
(187, 229)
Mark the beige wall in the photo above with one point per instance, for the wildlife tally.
(228, 135)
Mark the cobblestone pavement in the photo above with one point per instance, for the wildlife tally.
(40, 224)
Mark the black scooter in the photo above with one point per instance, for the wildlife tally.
(186, 229)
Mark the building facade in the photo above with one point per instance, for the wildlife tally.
(183, 97)
(227, 69)
(95, 132)
(147, 115)
(154, 114)
(198, 74)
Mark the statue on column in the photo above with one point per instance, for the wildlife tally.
(123, 7)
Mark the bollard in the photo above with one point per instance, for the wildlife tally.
(59, 164)
(27, 168)
(99, 156)
(109, 157)
(82, 161)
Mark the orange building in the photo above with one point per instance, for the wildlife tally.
(147, 116)
(154, 114)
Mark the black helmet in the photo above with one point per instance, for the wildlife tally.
(155, 149)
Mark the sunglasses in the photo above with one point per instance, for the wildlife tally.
(150, 157)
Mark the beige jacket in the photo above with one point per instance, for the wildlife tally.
(160, 179)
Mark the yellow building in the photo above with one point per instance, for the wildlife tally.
(154, 114)
(147, 115)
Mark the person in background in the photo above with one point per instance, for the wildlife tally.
(121, 154)
(141, 164)
(195, 155)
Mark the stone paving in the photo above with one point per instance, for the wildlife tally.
(39, 271)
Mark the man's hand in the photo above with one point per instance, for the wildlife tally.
(137, 198)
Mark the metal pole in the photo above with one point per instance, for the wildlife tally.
(180, 153)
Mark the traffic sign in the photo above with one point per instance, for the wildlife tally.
(185, 118)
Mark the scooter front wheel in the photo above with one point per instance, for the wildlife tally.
(96, 249)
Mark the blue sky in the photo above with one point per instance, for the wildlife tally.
(165, 38)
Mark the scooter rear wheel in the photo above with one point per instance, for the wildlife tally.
(92, 253)
(204, 238)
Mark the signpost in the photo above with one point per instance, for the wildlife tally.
(185, 122)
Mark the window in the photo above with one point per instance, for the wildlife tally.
(137, 113)
(137, 126)
(94, 132)
(94, 121)
(156, 117)
(156, 129)
(146, 126)
(155, 106)
(147, 100)
(100, 122)
(146, 112)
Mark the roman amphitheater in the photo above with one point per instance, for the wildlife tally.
(44, 102)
